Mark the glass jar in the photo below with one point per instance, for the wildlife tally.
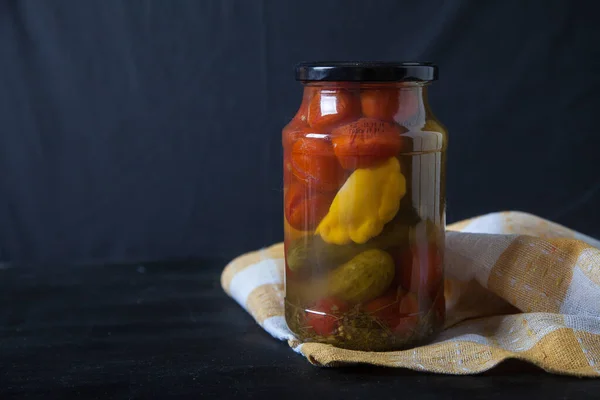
(364, 207)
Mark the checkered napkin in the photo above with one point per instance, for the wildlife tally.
(517, 286)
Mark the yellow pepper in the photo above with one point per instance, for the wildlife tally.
(369, 199)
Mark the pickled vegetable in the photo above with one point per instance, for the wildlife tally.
(385, 309)
(368, 200)
(323, 317)
(409, 314)
(331, 107)
(379, 103)
(423, 268)
(366, 143)
(295, 130)
(398, 310)
(314, 163)
(312, 252)
(305, 209)
(363, 278)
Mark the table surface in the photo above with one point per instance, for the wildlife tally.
(168, 330)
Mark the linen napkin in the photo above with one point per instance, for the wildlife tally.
(517, 286)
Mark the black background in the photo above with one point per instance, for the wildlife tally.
(150, 130)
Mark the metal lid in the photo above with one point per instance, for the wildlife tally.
(367, 71)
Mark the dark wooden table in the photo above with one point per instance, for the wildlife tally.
(167, 330)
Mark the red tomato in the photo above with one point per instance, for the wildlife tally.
(379, 103)
(421, 269)
(288, 175)
(409, 313)
(303, 209)
(366, 143)
(294, 131)
(408, 304)
(313, 162)
(331, 107)
(399, 310)
(323, 316)
(298, 127)
(302, 114)
(385, 308)
(407, 265)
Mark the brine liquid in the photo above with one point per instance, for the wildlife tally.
(333, 294)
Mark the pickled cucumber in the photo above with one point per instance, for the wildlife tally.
(363, 278)
(311, 251)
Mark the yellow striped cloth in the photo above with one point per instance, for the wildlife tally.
(517, 286)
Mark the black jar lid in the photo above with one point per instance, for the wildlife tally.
(366, 71)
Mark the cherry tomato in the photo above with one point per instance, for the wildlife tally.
(408, 304)
(366, 143)
(314, 163)
(304, 209)
(302, 113)
(409, 313)
(293, 131)
(331, 107)
(323, 316)
(385, 308)
(288, 175)
(407, 265)
(421, 269)
(379, 103)
(399, 310)
(298, 127)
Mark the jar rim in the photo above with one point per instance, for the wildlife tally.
(366, 71)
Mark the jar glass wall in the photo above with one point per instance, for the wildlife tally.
(364, 207)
